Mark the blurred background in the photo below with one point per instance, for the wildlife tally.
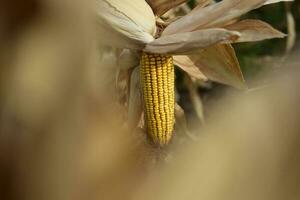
(63, 137)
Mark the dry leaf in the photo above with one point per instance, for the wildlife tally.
(133, 20)
(276, 1)
(122, 86)
(219, 63)
(105, 66)
(135, 107)
(291, 26)
(185, 63)
(214, 15)
(254, 30)
(128, 59)
(181, 123)
(195, 98)
(160, 7)
(202, 4)
(182, 43)
(110, 37)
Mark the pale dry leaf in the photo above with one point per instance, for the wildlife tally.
(201, 4)
(214, 15)
(276, 1)
(219, 63)
(162, 6)
(135, 106)
(291, 26)
(122, 86)
(254, 30)
(128, 59)
(195, 99)
(185, 63)
(183, 43)
(106, 67)
(110, 37)
(181, 123)
(132, 19)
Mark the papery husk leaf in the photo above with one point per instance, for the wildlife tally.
(105, 65)
(202, 4)
(160, 7)
(215, 15)
(185, 63)
(195, 99)
(291, 28)
(276, 1)
(220, 64)
(128, 59)
(183, 43)
(122, 86)
(110, 37)
(181, 123)
(133, 20)
(135, 106)
(254, 30)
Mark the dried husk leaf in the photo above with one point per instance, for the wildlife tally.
(183, 43)
(202, 4)
(160, 7)
(106, 66)
(181, 123)
(219, 63)
(108, 36)
(276, 1)
(185, 63)
(214, 15)
(133, 20)
(291, 28)
(122, 86)
(128, 59)
(135, 106)
(254, 30)
(195, 99)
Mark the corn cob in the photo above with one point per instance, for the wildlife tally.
(157, 81)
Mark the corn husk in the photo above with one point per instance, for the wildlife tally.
(254, 30)
(135, 106)
(128, 59)
(276, 1)
(126, 22)
(162, 6)
(214, 15)
(187, 65)
(219, 63)
(183, 43)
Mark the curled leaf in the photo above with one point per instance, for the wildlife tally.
(135, 99)
(181, 123)
(185, 63)
(291, 28)
(183, 43)
(122, 86)
(219, 63)
(254, 30)
(201, 4)
(162, 6)
(108, 36)
(133, 20)
(128, 59)
(195, 99)
(275, 1)
(214, 15)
